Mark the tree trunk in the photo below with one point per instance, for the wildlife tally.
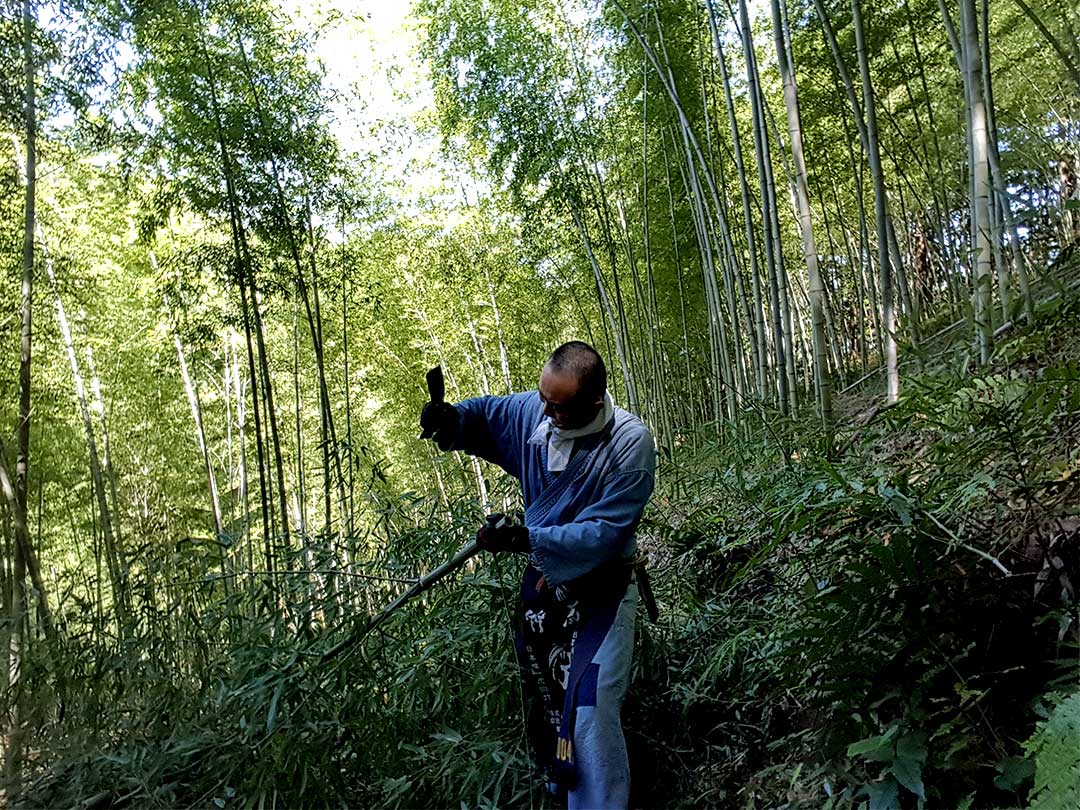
(693, 146)
(980, 207)
(117, 567)
(192, 390)
(605, 303)
(1000, 197)
(249, 274)
(350, 510)
(688, 415)
(242, 270)
(329, 442)
(762, 152)
(17, 495)
(332, 449)
(787, 307)
(241, 429)
(13, 736)
(881, 213)
(757, 324)
(113, 554)
(106, 450)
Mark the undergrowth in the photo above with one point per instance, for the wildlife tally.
(883, 628)
(891, 624)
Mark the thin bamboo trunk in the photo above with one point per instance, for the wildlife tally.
(943, 201)
(787, 308)
(598, 196)
(114, 554)
(605, 303)
(230, 468)
(881, 213)
(13, 733)
(999, 204)
(639, 355)
(687, 409)
(655, 330)
(351, 510)
(722, 377)
(504, 354)
(7, 582)
(332, 448)
(25, 557)
(968, 258)
(694, 147)
(106, 449)
(17, 494)
(732, 378)
(25, 551)
(867, 129)
(300, 497)
(269, 408)
(600, 202)
(242, 269)
(192, 390)
(757, 324)
(241, 429)
(980, 207)
(248, 268)
(761, 152)
(729, 266)
(839, 364)
(865, 266)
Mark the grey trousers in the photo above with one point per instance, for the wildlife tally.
(603, 770)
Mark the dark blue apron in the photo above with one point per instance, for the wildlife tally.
(562, 631)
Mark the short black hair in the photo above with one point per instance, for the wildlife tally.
(585, 363)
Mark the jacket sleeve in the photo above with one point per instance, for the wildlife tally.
(602, 531)
(491, 429)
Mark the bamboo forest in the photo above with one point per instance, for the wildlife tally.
(829, 254)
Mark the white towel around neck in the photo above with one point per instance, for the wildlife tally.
(560, 441)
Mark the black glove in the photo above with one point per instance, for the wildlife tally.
(503, 533)
(440, 422)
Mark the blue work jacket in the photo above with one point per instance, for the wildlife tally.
(583, 516)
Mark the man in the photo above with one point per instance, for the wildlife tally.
(586, 471)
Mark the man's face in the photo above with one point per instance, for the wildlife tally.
(564, 402)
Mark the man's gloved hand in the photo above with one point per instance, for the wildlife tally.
(440, 422)
(503, 533)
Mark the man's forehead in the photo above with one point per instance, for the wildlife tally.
(553, 382)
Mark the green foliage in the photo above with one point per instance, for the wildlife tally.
(903, 756)
(872, 627)
(853, 616)
(251, 718)
(489, 60)
(1055, 746)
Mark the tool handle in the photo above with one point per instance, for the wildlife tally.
(646, 591)
(422, 584)
(436, 393)
(435, 385)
